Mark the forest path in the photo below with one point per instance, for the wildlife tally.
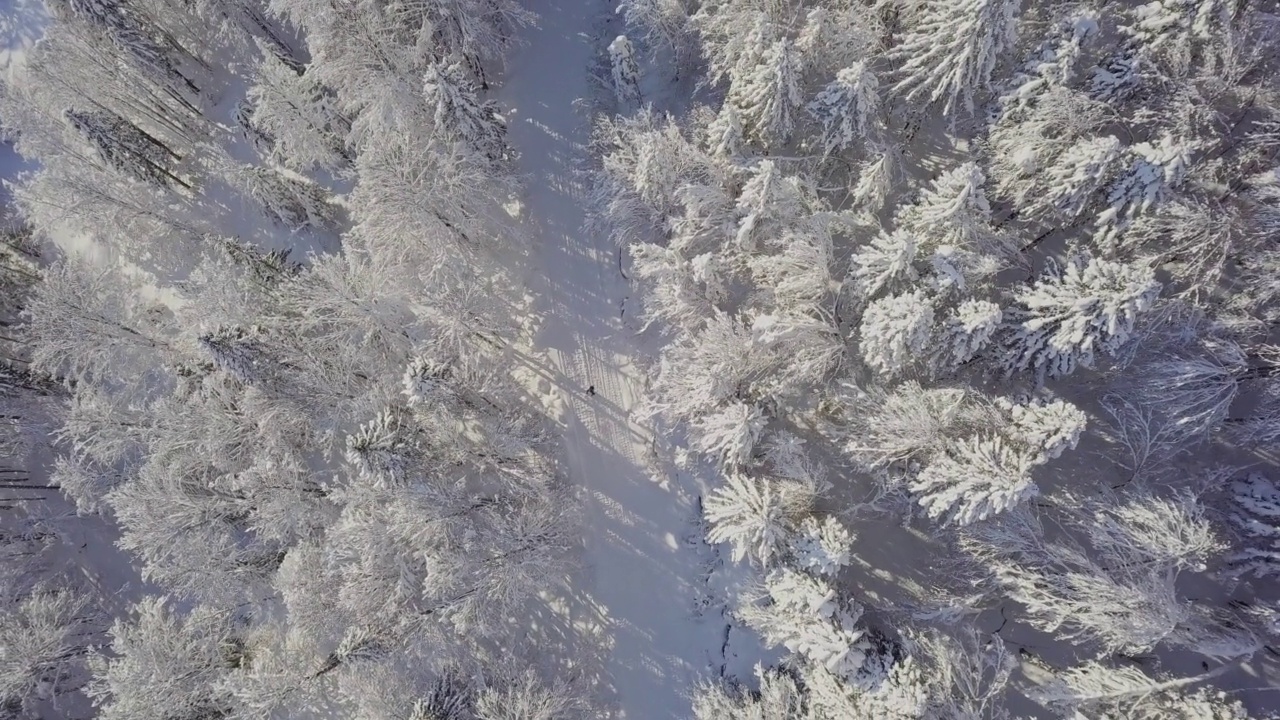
(638, 587)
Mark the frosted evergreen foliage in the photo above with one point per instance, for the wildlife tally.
(1257, 517)
(1055, 63)
(805, 615)
(769, 196)
(624, 71)
(233, 352)
(969, 329)
(125, 147)
(1178, 31)
(848, 108)
(448, 697)
(821, 545)
(1075, 311)
(769, 98)
(294, 110)
(754, 515)
(893, 689)
(948, 55)
(377, 451)
(706, 369)
(163, 664)
(1120, 593)
(779, 697)
(1050, 427)
(1155, 169)
(126, 33)
(681, 291)
(1118, 78)
(295, 203)
(426, 381)
(1108, 691)
(725, 134)
(242, 116)
(952, 211)
(979, 477)
(896, 331)
(40, 643)
(876, 178)
(1173, 532)
(459, 112)
(730, 433)
(886, 263)
(1076, 177)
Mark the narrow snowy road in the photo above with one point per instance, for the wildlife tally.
(640, 575)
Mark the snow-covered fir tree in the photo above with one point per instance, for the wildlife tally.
(624, 71)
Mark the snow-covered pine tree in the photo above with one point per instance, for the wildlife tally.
(730, 433)
(427, 381)
(726, 136)
(953, 211)
(1074, 179)
(1119, 591)
(165, 662)
(979, 477)
(234, 352)
(821, 545)
(964, 332)
(755, 515)
(779, 697)
(896, 331)
(87, 322)
(968, 671)
(295, 203)
(704, 370)
(1046, 428)
(898, 690)
(460, 114)
(681, 292)
(887, 263)
(769, 97)
(126, 148)
(876, 177)
(44, 632)
(242, 116)
(1193, 385)
(624, 72)
(1126, 691)
(665, 25)
(804, 614)
(1182, 34)
(951, 50)
(124, 31)
(1156, 168)
(1074, 311)
(292, 109)
(848, 108)
(378, 451)
(267, 267)
(911, 422)
(1054, 63)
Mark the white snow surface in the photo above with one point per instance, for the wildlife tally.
(642, 575)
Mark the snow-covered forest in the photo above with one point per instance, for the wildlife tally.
(643, 359)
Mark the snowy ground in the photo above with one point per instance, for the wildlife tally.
(642, 576)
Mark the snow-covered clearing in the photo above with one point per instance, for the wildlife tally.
(641, 577)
